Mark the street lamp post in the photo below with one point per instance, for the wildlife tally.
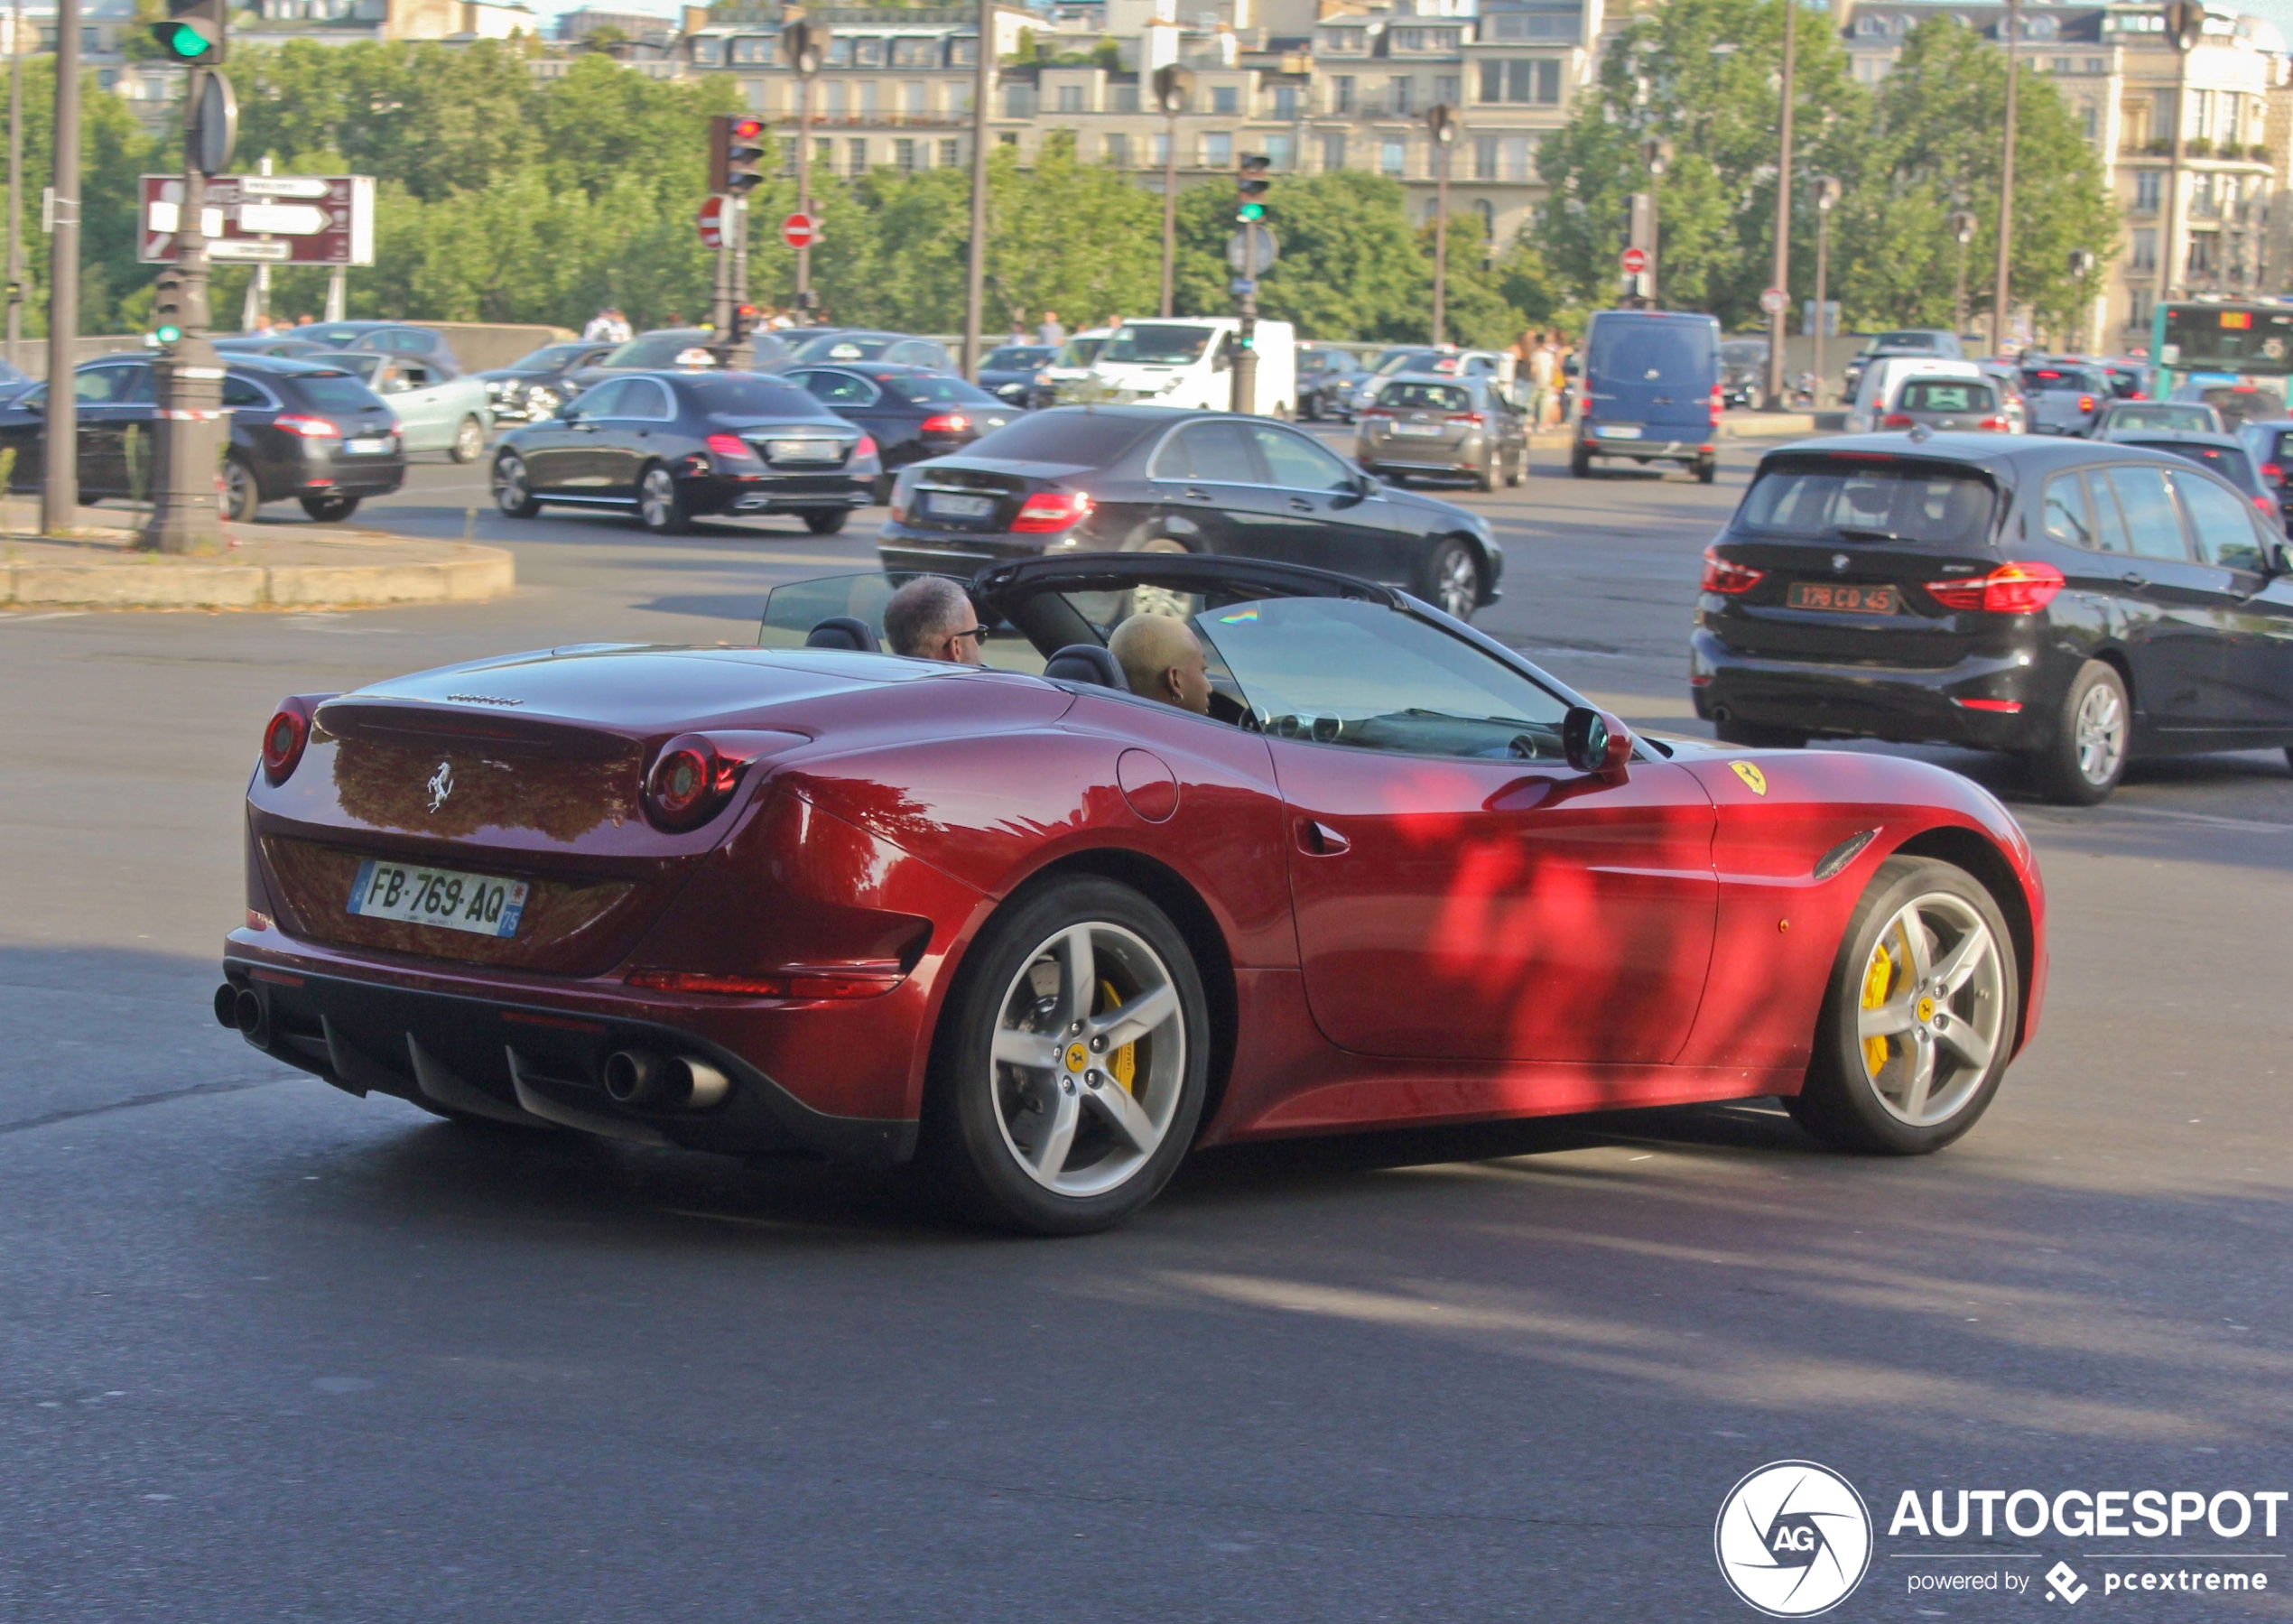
(1655, 153)
(1173, 86)
(1827, 191)
(60, 436)
(15, 172)
(2185, 27)
(975, 272)
(2081, 270)
(1779, 323)
(804, 43)
(1962, 223)
(2001, 292)
(1441, 120)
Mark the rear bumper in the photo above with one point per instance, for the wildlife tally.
(902, 547)
(779, 493)
(1902, 705)
(1653, 447)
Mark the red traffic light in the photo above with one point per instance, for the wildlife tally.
(736, 148)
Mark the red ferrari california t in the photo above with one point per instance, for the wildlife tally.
(1047, 935)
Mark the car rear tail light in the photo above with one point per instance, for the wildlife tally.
(1473, 418)
(2085, 403)
(310, 428)
(2011, 589)
(2274, 471)
(1049, 510)
(945, 422)
(1721, 575)
(689, 782)
(732, 446)
(1997, 425)
(2003, 707)
(1368, 412)
(1717, 405)
(866, 447)
(2137, 395)
(1896, 420)
(865, 984)
(2264, 503)
(283, 736)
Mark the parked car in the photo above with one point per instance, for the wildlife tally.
(2237, 404)
(453, 415)
(1947, 405)
(2071, 603)
(309, 431)
(2132, 419)
(1743, 373)
(1461, 428)
(532, 387)
(1126, 479)
(1327, 378)
(1651, 391)
(2270, 444)
(845, 345)
(387, 338)
(911, 412)
(673, 445)
(2065, 397)
(684, 348)
(1428, 359)
(1009, 372)
(1926, 343)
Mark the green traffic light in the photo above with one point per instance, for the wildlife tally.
(1251, 212)
(182, 41)
(169, 335)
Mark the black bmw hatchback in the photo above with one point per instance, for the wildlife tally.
(673, 445)
(2072, 602)
(1148, 478)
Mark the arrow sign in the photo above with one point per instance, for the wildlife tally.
(711, 222)
(800, 231)
(1636, 262)
(286, 219)
(281, 186)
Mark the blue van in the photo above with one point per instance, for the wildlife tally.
(1651, 391)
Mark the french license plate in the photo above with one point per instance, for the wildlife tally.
(1616, 430)
(1416, 428)
(371, 446)
(945, 507)
(476, 903)
(803, 451)
(1857, 600)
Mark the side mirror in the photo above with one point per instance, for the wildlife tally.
(2279, 559)
(1595, 742)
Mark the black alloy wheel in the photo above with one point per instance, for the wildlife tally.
(236, 493)
(826, 521)
(331, 507)
(513, 493)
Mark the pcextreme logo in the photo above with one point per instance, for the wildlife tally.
(1794, 1539)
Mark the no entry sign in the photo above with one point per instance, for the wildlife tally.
(1636, 262)
(711, 222)
(800, 231)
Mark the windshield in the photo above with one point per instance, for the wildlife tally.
(739, 396)
(334, 391)
(2230, 462)
(937, 389)
(1651, 351)
(1404, 395)
(1907, 340)
(1017, 358)
(1080, 352)
(1743, 352)
(1159, 344)
(549, 357)
(1072, 434)
(1871, 501)
(2227, 338)
(1945, 395)
(847, 347)
(2192, 420)
(662, 349)
(2243, 405)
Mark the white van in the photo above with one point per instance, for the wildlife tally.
(1883, 375)
(1188, 362)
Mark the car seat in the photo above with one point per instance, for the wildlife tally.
(1086, 663)
(841, 631)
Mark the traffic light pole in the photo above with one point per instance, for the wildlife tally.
(60, 439)
(189, 377)
(804, 186)
(1245, 398)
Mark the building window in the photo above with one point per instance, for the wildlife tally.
(1398, 97)
(1285, 101)
(1161, 148)
(1009, 139)
(1218, 151)
(915, 54)
(1484, 157)
(1518, 150)
(1408, 39)
(963, 53)
(1281, 152)
(2143, 253)
(904, 154)
(868, 54)
(1393, 154)
(752, 48)
(2204, 247)
(1018, 101)
(2139, 304)
(2090, 121)
(2148, 187)
(1226, 100)
(868, 103)
(708, 52)
(756, 91)
(824, 152)
(2097, 64)
(917, 96)
(856, 155)
(1071, 98)
(1119, 150)
(1332, 150)
(835, 98)
(1446, 90)
(1523, 80)
(1126, 98)
(1342, 94)
(950, 154)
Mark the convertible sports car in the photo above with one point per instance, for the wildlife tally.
(1048, 935)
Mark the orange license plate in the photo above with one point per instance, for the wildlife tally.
(1855, 600)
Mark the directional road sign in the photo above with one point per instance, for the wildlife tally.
(276, 220)
(800, 230)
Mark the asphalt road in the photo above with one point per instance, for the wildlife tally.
(274, 1353)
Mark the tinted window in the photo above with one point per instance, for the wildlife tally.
(549, 357)
(1341, 672)
(1207, 450)
(1017, 357)
(1081, 437)
(604, 399)
(1298, 462)
(646, 399)
(2110, 523)
(2073, 379)
(2153, 524)
(1907, 341)
(917, 352)
(1945, 395)
(2069, 516)
(2231, 464)
(2223, 523)
(1906, 501)
(107, 386)
(748, 397)
(1404, 396)
(2238, 405)
(660, 349)
(364, 365)
(1652, 352)
(1159, 343)
(838, 388)
(335, 392)
(238, 392)
(2192, 420)
(845, 347)
(934, 389)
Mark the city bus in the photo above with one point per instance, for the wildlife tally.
(2219, 350)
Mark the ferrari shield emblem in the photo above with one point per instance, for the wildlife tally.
(1754, 779)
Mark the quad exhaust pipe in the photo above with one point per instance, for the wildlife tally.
(638, 1076)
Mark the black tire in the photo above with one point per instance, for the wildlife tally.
(1312, 407)
(826, 521)
(2071, 767)
(470, 441)
(1485, 475)
(512, 492)
(1757, 736)
(237, 494)
(2289, 756)
(1707, 470)
(973, 1098)
(1519, 470)
(1843, 1102)
(661, 502)
(1451, 580)
(1580, 463)
(330, 510)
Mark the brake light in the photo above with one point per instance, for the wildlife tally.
(730, 445)
(310, 428)
(1373, 412)
(1049, 510)
(1721, 575)
(1896, 420)
(2273, 470)
(1473, 418)
(2137, 395)
(2011, 589)
(2264, 503)
(815, 986)
(1717, 405)
(866, 447)
(946, 423)
(283, 736)
(1997, 425)
(689, 782)
(2085, 403)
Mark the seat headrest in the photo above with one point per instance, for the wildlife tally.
(1086, 663)
(841, 631)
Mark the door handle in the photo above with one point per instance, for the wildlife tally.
(1192, 495)
(1301, 504)
(2132, 580)
(1319, 839)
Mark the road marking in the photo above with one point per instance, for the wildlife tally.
(46, 615)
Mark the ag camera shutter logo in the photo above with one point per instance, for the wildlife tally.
(1794, 1539)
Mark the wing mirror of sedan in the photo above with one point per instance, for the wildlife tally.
(1595, 742)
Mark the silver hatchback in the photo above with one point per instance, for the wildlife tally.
(1947, 404)
(1437, 426)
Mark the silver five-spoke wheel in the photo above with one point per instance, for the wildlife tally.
(2100, 729)
(1934, 1000)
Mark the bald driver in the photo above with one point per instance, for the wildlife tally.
(1161, 660)
(931, 618)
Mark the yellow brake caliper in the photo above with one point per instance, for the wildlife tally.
(1122, 1065)
(1876, 980)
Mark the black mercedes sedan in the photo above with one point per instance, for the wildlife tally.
(306, 431)
(673, 445)
(532, 387)
(682, 348)
(2076, 604)
(1147, 478)
(1008, 371)
(913, 412)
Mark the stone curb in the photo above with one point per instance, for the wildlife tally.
(138, 580)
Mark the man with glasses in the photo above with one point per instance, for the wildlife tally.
(930, 618)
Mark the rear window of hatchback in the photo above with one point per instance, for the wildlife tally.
(1838, 498)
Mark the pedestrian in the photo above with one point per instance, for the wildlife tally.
(1544, 371)
(1049, 332)
(600, 328)
(622, 331)
(305, 319)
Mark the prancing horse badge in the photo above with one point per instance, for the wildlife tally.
(1754, 779)
(441, 783)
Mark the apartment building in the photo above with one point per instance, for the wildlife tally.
(2120, 78)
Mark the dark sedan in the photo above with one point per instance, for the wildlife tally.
(2074, 604)
(678, 347)
(304, 430)
(2270, 444)
(386, 338)
(2226, 454)
(1147, 478)
(532, 387)
(1009, 373)
(673, 445)
(1327, 379)
(913, 411)
(852, 344)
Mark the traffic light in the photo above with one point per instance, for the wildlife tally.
(736, 148)
(167, 310)
(744, 322)
(193, 32)
(1251, 184)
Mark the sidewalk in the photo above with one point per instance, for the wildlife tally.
(266, 567)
